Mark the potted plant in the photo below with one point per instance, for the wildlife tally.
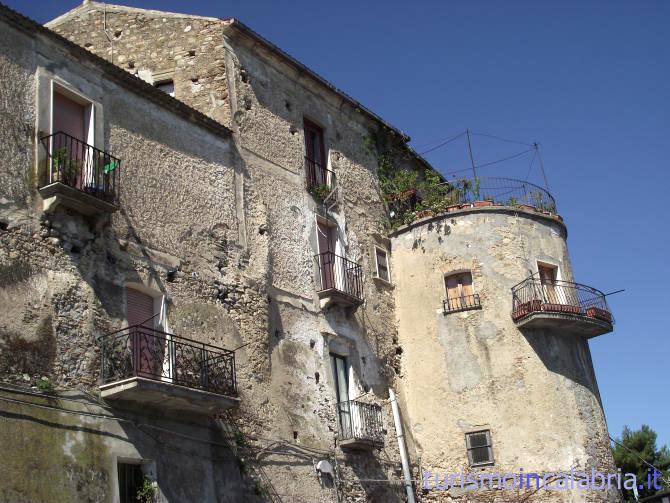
(320, 192)
(425, 213)
(487, 201)
(598, 313)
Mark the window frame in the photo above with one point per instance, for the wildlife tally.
(476, 301)
(388, 264)
(489, 446)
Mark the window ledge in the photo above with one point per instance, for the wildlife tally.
(382, 281)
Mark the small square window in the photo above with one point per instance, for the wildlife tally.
(167, 86)
(382, 263)
(480, 450)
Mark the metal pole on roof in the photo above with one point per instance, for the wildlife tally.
(539, 156)
(472, 159)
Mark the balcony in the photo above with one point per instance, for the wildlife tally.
(463, 303)
(147, 367)
(360, 425)
(561, 305)
(340, 280)
(319, 181)
(79, 176)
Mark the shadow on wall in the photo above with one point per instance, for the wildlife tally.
(372, 477)
(566, 355)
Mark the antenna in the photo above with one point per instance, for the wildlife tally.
(472, 159)
(104, 29)
(536, 146)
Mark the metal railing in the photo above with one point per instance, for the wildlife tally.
(360, 421)
(81, 166)
(463, 303)
(469, 192)
(339, 273)
(318, 177)
(138, 351)
(536, 294)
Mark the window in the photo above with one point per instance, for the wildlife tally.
(131, 479)
(480, 450)
(382, 263)
(460, 293)
(167, 86)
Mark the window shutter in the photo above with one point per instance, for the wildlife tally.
(140, 308)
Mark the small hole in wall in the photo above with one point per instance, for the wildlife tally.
(88, 45)
(243, 76)
(118, 33)
(312, 342)
(295, 435)
(363, 360)
(131, 64)
(277, 333)
(287, 104)
(398, 350)
(316, 377)
(4, 226)
(194, 80)
(191, 53)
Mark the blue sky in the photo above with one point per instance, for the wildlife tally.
(589, 81)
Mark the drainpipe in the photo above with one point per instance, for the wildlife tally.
(401, 446)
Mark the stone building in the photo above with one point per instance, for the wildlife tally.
(205, 302)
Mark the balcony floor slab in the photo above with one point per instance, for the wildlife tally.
(360, 444)
(165, 395)
(578, 324)
(59, 194)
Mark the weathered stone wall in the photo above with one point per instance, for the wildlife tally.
(185, 49)
(238, 224)
(535, 390)
(55, 453)
(62, 278)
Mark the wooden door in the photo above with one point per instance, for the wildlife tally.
(326, 241)
(71, 151)
(316, 154)
(145, 345)
(341, 375)
(548, 281)
(69, 117)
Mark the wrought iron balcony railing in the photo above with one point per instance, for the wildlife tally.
(138, 351)
(463, 303)
(318, 177)
(339, 274)
(81, 166)
(360, 422)
(535, 294)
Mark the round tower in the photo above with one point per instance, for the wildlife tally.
(497, 374)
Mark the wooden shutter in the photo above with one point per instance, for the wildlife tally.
(140, 308)
(69, 117)
(466, 284)
(453, 291)
(382, 264)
